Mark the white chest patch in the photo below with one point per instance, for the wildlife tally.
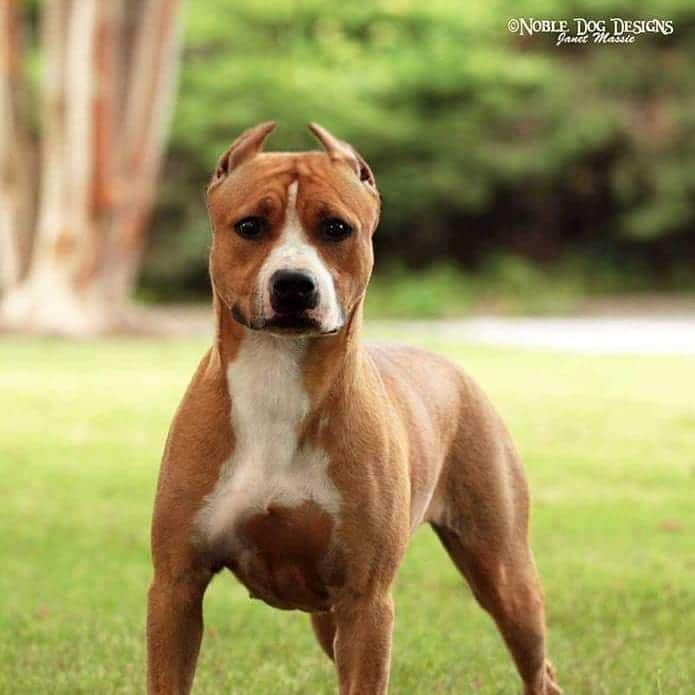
(267, 466)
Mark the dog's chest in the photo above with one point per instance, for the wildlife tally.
(273, 513)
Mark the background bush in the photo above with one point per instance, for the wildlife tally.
(484, 143)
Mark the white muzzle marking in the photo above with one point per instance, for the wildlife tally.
(294, 251)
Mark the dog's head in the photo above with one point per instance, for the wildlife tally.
(292, 233)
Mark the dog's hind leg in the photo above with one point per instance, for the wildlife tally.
(508, 589)
(324, 627)
(480, 513)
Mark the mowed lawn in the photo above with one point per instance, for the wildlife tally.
(608, 443)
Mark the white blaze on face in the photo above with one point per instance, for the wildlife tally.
(294, 251)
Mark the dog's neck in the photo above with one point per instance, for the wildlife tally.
(328, 364)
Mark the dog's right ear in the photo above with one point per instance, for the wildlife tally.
(337, 149)
(248, 144)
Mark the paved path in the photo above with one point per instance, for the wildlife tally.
(598, 335)
(629, 332)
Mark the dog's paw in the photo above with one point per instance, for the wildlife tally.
(546, 683)
(550, 685)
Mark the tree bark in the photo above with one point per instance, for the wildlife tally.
(108, 81)
(16, 155)
(151, 86)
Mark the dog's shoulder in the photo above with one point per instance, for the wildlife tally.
(414, 374)
(414, 361)
(439, 381)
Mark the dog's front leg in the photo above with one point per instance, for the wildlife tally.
(174, 630)
(364, 628)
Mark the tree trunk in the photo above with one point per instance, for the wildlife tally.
(16, 190)
(108, 79)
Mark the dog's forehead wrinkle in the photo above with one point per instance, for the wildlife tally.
(314, 172)
(341, 200)
(275, 166)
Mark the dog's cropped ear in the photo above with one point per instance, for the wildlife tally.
(248, 144)
(339, 150)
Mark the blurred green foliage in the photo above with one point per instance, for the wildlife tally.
(484, 143)
(503, 284)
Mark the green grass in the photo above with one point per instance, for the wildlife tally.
(609, 445)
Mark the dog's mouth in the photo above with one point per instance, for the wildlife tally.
(289, 324)
(292, 324)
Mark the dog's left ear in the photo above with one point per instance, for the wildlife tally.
(339, 150)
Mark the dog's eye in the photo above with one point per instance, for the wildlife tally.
(250, 227)
(334, 229)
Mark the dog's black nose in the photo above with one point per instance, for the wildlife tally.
(293, 291)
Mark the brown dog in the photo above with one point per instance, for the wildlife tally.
(303, 460)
